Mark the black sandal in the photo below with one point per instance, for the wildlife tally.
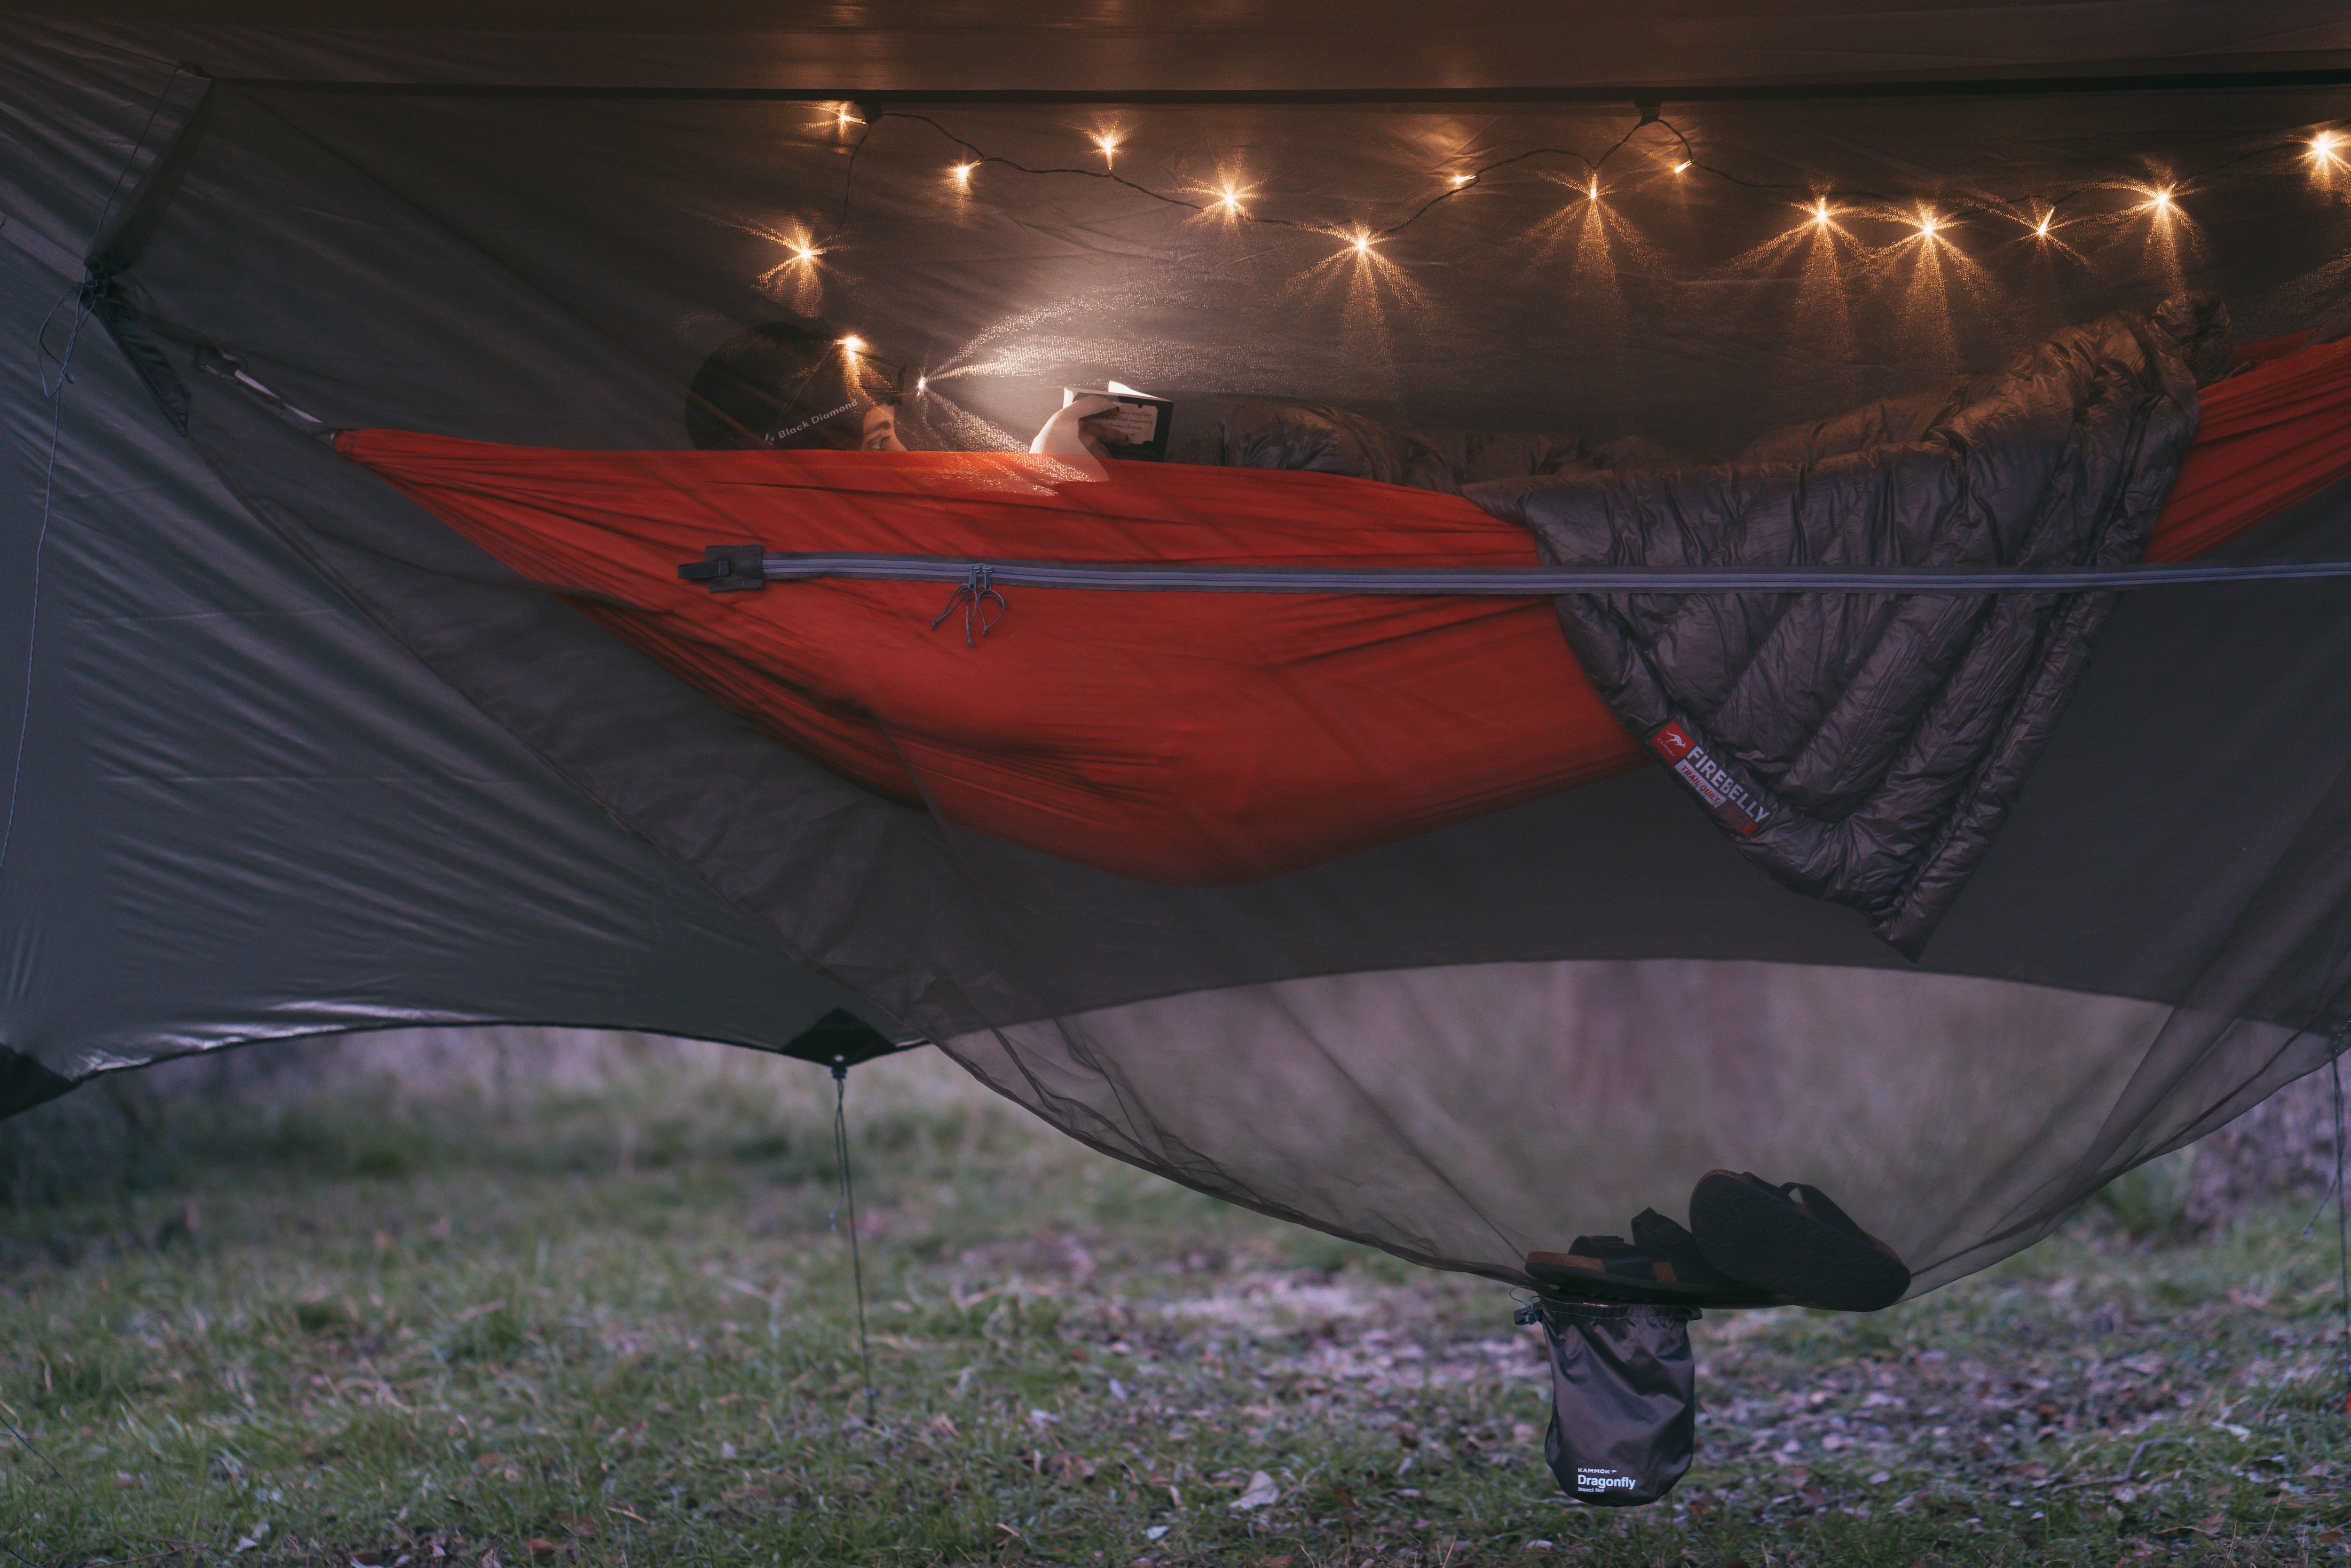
(1793, 1241)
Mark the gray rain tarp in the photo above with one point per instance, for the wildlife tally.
(301, 758)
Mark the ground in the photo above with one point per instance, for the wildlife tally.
(617, 1326)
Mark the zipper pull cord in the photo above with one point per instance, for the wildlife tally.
(973, 593)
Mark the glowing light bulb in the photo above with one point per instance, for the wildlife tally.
(961, 173)
(804, 252)
(1463, 179)
(1228, 200)
(844, 119)
(1361, 242)
(1927, 224)
(2041, 228)
(922, 384)
(1109, 145)
(1681, 168)
(1592, 190)
(1820, 213)
(854, 345)
(2160, 201)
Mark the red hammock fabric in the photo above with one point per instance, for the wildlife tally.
(1189, 738)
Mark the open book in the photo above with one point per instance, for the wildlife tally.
(1137, 427)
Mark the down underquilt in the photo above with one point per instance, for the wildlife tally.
(1865, 747)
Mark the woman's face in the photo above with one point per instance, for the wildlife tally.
(880, 432)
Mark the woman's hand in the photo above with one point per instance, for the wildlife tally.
(1066, 435)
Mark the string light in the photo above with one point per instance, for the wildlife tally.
(922, 384)
(854, 345)
(804, 252)
(2327, 148)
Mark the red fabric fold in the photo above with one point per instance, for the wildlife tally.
(1189, 738)
(2267, 438)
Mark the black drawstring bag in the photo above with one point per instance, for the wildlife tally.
(1624, 1399)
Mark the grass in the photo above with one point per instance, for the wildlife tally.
(610, 1323)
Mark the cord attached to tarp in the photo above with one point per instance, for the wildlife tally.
(849, 1201)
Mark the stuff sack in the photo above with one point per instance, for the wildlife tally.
(1624, 1399)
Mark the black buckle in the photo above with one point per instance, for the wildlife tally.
(728, 569)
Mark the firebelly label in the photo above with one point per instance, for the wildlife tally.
(1732, 801)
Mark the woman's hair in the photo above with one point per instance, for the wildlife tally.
(781, 383)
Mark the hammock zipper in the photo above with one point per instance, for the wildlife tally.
(977, 581)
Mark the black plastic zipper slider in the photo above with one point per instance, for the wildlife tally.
(728, 569)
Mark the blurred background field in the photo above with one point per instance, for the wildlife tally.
(519, 1296)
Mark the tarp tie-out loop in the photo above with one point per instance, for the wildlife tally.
(973, 593)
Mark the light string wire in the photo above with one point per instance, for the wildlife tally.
(83, 298)
(2305, 147)
(849, 1201)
